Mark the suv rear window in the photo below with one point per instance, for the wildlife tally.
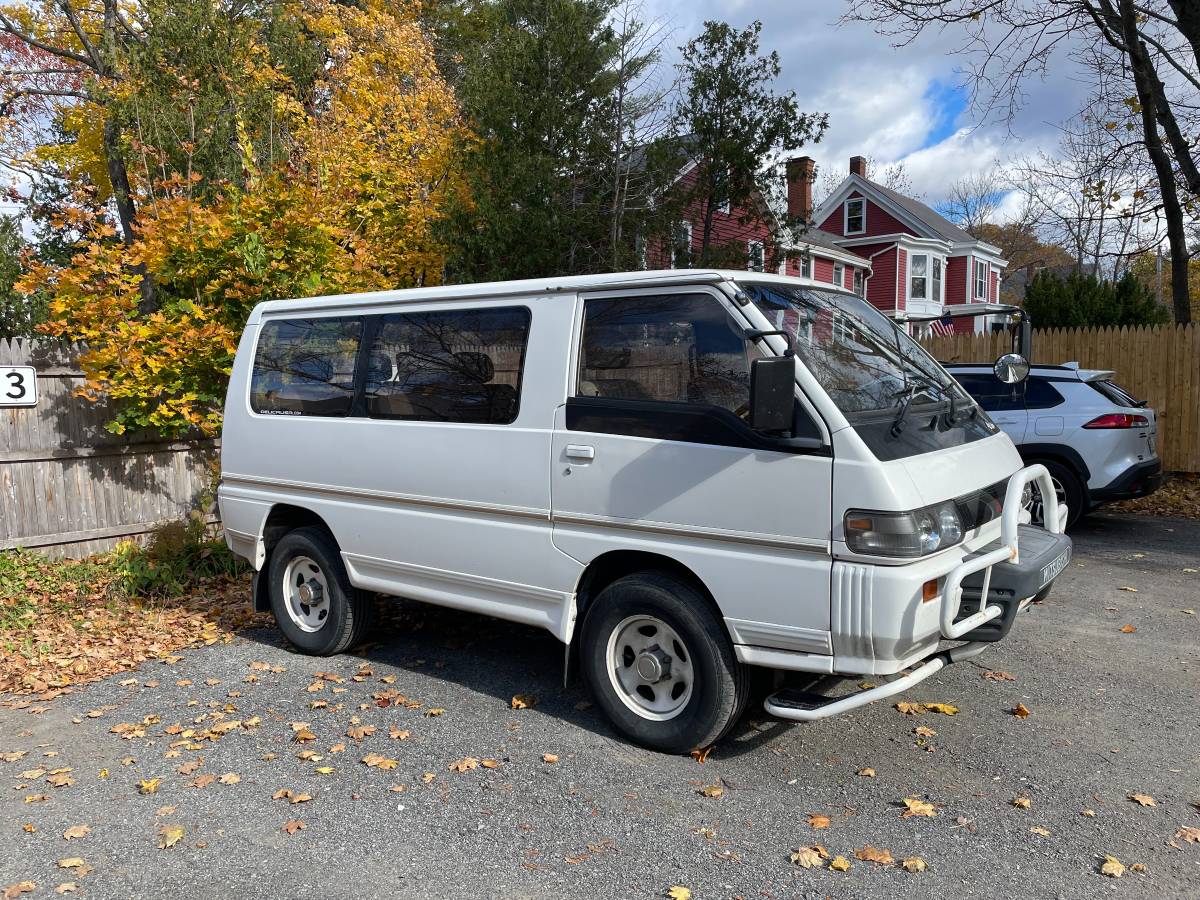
(1114, 393)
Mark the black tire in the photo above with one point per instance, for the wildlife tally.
(347, 610)
(719, 684)
(1073, 489)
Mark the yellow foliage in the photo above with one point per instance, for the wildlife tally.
(354, 208)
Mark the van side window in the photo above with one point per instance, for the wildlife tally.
(676, 348)
(305, 367)
(448, 366)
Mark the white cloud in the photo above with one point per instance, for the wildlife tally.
(880, 99)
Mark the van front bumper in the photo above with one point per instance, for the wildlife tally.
(980, 598)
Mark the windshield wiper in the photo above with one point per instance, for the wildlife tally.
(898, 423)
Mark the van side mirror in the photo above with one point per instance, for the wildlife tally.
(773, 393)
(1011, 368)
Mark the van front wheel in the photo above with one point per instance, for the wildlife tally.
(658, 662)
(315, 606)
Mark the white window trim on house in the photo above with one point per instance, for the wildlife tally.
(983, 268)
(753, 248)
(806, 265)
(839, 274)
(683, 228)
(862, 214)
(859, 282)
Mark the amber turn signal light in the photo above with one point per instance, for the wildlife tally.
(929, 590)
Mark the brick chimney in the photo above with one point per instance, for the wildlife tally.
(800, 187)
(858, 166)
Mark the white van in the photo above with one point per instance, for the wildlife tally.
(680, 474)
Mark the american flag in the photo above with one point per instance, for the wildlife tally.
(942, 327)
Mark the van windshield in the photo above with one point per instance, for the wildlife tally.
(875, 373)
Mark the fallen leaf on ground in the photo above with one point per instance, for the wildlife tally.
(1189, 833)
(868, 772)
(917, 808)
(1090, 813)
(1140, 868)
(466, 764)
(1112, 867)
(21, 887)
(489, 763)
(910, 709)
(169, 836)
(149, 786)
(875, 855)
(71, 862)
(435, 711)
(202, 781)
(913, 864)
(523, 701)
(1143, 799)
(379, 761)
(230, 778)
(807, 857)
(818, 821)
(358, 732)
(67, 887)
(1021, 802)
(293, 826)
(1131, 590)
(679, 892)
(1127, 629)
(701, 756)
(328, 770)
(1038, 829)
(944, 708)
(712, 790)
(997, 676)
(77, 831)
(1021, 711)
(924, 731)
(550, 758)
(840, 864)
(399, 734)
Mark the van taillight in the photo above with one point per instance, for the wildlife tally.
(1118, 420)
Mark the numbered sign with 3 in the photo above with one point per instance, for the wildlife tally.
(18, 386)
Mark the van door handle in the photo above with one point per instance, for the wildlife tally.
(578, 451)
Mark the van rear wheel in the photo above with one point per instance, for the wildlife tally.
(658, 661)
(315, 606)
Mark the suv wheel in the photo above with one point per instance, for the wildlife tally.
(1068, 487)
(658, 661)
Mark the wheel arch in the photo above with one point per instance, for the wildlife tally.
(282, 518)
(608, 567)
(1067, 456)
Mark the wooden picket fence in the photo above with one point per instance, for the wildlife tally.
(1160, 365)
(68, 487)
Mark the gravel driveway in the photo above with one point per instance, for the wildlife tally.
(557, 806)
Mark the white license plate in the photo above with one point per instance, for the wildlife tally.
(1054, 569)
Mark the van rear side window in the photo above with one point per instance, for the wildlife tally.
(305, 367)
(451, 366)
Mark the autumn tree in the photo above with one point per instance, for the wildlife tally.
(731, 118)
(328, 177)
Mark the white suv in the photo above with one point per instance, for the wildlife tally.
(1096, 440)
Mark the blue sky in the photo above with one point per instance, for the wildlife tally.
(889, 104)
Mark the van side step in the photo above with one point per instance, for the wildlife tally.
(807, 706)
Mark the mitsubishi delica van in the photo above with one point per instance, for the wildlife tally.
(680, 474)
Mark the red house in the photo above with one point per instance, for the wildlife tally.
(819, 257)
(919, 261)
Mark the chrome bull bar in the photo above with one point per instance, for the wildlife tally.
(1055, 516)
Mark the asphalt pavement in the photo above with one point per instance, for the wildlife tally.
(556, 805)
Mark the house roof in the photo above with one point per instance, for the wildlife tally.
(936, 222)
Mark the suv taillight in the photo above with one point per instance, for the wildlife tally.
(1118, 420)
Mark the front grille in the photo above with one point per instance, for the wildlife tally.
(982, 506)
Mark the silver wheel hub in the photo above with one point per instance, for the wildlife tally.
(1033, 500)
(305, 588)
(650, 667)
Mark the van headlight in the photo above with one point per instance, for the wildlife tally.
(907, 534)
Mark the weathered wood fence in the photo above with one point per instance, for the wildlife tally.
(1161, 365)
(68, 487)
